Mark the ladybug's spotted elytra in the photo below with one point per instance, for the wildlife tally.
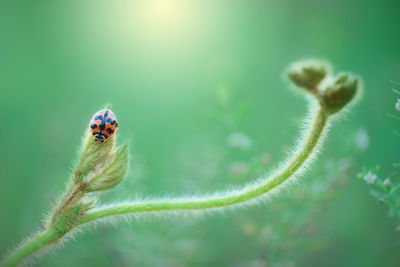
(103, 125)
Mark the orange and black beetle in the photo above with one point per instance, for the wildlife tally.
(103, 125)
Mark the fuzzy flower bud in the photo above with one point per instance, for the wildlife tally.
(66, 220)
(308, 74)
(112, 173)
(339, 93)
(99, 167)
(92, 155)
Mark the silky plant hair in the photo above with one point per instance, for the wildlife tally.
(101, 166)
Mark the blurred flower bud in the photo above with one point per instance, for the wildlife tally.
(362, 139)
(339, 93)
(386, 182)
(239, 140)
(265, 159)
(370, 177)
(238, 169)
(308, 74)
(397, 105)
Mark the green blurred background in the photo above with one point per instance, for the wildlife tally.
(182, 76)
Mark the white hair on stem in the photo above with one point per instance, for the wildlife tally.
(230, 198)
(95, 172)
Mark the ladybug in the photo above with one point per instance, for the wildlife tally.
(103, 125)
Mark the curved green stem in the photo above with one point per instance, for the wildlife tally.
(40, 240)
(224, 199)
(247, 193)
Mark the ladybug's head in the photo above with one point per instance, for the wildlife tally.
(99, 137)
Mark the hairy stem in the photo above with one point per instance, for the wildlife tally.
(38, 241)
(224, 199)
(102, 167)
(247, 193)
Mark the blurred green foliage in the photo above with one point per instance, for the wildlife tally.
(385, 188)
(197, 86)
